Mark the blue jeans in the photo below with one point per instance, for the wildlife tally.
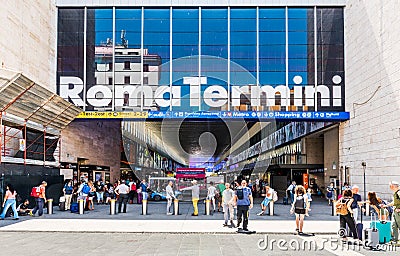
(39, 206)
(12, 203)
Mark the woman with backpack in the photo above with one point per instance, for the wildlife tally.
(343, 208)
(300, 206)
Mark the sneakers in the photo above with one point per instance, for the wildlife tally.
(232, 225)
(225, 224)
(260, 213)
(169, 213)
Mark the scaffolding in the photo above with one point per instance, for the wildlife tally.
(31, 120)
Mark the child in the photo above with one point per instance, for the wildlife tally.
(309, 201)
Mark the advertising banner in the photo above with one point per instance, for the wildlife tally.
(190, 173)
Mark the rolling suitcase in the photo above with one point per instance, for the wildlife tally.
(384, 231)
(62, 206)
(370, 237)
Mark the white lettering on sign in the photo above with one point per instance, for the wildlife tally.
(213, 95)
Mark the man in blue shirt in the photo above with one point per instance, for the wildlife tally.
(244, 202)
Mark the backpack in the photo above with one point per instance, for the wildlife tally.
(299, 203)
(341, 207)
(86, 189)
(133, 186)
(275, 196)
(239, 193)
(35, 192)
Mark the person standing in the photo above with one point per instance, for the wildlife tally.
(68, 189)
(169, 195)
(291, 191)
(211, 191)
(331, 191)
(220, 188)
(122, 190)
(41, 200)
(244, 202)
(99, 191)
(195, 196)
(347, 216)
(10, 200)
(356, 202)
(228, 202)
(144, 185)
(300, 207)
(395, 187)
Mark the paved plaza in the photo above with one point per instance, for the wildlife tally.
(98, 232)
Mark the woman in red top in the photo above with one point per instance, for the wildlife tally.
(10, 200)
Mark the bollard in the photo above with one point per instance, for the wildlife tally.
(81, 206)
(49, 206)
(207, 206)
(144, 207)
(271, 208)
(176, 206)
(112, 207)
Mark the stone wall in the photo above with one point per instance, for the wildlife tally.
(372, 134)
(28, 39)
(97, 141)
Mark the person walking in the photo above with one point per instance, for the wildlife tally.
(395, 187)
(346, 215)
(211, 192)
(309, 197)
(300, 207)
(195, 196)
(244, 202)
(67, 190)
(220, 188)
(228, 202)
(99, 191)
(10, 200)
(122, 190)
(41, 200)
(169, 195)
(331, 193)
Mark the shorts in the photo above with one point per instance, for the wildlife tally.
(266, 201)
(300, 211)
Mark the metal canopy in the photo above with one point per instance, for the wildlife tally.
(22, 97)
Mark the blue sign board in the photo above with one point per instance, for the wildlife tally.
(251, 115)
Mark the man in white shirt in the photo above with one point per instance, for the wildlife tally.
(122, 190)
(169, 195)
(211, 193)
(228, 202)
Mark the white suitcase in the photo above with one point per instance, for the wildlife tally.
(370, 236)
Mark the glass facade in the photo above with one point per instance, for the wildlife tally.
(202, 58)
